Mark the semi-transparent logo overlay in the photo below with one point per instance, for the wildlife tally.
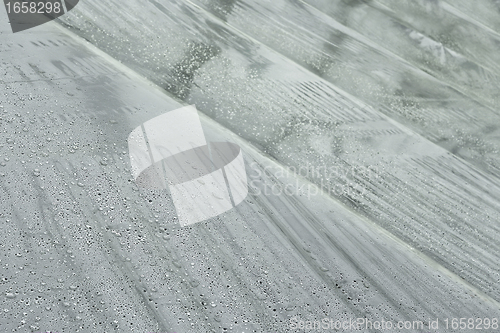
(204, 179)
(29, 14)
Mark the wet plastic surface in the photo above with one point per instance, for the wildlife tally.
(394, 213)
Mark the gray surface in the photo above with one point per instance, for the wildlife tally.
(84, 250)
